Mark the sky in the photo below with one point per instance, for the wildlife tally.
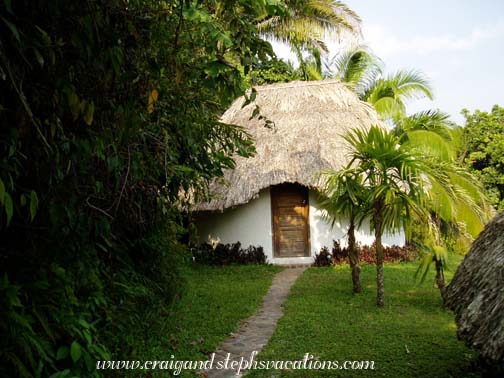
(458, 45)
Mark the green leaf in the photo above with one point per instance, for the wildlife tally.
(2, 192)
(9, 207)
(83, 323)
(62, 353)
(12, 28)
(89, 113)
(40, 58)
(75, 351)
(33, 204)
(87, 336)
(74, 104)
(8, 6)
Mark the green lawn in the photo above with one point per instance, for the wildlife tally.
(413, 336)
(215, 300)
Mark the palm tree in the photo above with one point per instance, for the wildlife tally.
(457, 206)
(307, 22)
(437, 255)
(389, 94)
(343, 198)
(461, 216)
(394, 180)
(357, 67)
(310, 68)
(363, 73)
(430, 131)
(432, 135)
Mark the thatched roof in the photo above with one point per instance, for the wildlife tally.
(310, 118)
(476, 293)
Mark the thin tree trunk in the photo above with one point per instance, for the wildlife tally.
(440, 282)
(380, 286)
(353, 257)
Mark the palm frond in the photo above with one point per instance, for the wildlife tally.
(410, 84)
(310, 20)
(430, 143)
(431, 255)
(358, 67)
(428, 120)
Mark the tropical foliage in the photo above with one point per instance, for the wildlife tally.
(344, 198)
(109, 114)
(483, 150)
(388, 93)
(459, 218)
(308, 22)
(393, 179)
(432, 134)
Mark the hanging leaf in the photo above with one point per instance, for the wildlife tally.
(12, 28)
(62, 353)
(153, 97)
(33, 204)
(2, 192)
(8, 6)
(40, 58)
(89, 114)
(9, 207)
(75, 351)
(74, 104)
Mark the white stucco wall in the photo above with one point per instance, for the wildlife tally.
(250, 224)
(322, 234)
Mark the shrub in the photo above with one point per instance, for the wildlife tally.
(339, 255)
(323, 258)
(227, 254)
(367, 254)
(390, 254)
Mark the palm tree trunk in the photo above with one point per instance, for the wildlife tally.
(380, 286)
(353, 257)
(440, 282)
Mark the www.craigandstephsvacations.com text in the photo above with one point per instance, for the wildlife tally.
(308, 362)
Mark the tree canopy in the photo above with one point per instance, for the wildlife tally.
(483, 150)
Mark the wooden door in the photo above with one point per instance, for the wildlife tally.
(289, 205)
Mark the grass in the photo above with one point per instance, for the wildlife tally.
(215, 300)
(413, 336)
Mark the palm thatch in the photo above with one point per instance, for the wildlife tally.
(309, 121)
(476, 292)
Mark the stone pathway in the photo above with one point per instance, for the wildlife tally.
(254, 333)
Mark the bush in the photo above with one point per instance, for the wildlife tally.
(227, 254)
(339, 255)
(393, 253)
(367, 254)
(324, 258)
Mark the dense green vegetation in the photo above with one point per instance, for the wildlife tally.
(109, 114)
(483, 150)
(413, 336)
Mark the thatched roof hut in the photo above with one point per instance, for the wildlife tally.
(271, 199)
(476, 293)
(309, 119)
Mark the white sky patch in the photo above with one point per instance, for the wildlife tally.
(385, 41)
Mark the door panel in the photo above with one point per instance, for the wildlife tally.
(289, 204)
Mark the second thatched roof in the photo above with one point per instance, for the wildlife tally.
(476, 292)
(309, 118)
